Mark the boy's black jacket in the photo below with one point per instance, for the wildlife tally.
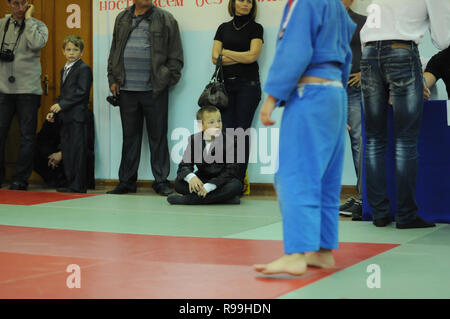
(75, 92)
(217, 167)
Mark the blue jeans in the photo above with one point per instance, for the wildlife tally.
(396, 72)
(354, 97)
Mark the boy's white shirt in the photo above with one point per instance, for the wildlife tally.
(69, 65)
(208, 186)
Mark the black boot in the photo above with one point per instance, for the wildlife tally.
(417, 223)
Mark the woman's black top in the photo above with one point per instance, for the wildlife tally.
(236, 35)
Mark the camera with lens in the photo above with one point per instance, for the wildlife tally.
(6, 55)
(114, 100)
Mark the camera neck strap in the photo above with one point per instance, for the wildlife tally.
(22, 27)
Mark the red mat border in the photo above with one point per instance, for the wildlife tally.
(30, 198)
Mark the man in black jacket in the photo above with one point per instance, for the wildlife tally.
(146, 58)
(439, 68)
(214, 154)
(72, 107)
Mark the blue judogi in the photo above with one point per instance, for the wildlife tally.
(314, 41)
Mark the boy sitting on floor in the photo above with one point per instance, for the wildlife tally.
(213, 152)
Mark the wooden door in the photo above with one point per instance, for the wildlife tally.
(62, 18)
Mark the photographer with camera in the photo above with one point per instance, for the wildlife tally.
(22, 38)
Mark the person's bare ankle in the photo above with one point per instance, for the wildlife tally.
(322, 259)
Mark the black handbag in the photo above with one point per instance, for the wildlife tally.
(215, 93)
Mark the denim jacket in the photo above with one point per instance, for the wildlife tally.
(167, 50)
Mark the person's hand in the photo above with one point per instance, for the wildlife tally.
(29, 12)
(355, 78)
(50, 117)
(55, 108)
(266, 111)
(195, 185)
(54, 159)
(203, 192)
(115, 89)
(348, 128)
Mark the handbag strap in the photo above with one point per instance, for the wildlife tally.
(218, 73)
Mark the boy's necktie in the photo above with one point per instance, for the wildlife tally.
(66, 71)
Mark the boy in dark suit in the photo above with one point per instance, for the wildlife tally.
(214, 153)
(72, 108)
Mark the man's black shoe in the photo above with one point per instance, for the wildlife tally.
(121, 189)
(163, 189)
(343, 208)
(356, 217)
(382, 222)
(354, 211)
(417, 223)
(17, 186)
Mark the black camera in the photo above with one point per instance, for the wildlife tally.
(6, 55)
(114, 100)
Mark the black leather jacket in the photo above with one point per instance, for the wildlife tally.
(167, 50)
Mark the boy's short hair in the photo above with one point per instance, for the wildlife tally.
(206, 109)
(75, 40)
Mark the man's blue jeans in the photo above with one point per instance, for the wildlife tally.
(395, 72)
(354, 121)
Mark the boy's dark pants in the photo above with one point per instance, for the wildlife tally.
(220, 195)
(74, 150)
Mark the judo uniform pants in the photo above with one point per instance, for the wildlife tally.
(311, 155)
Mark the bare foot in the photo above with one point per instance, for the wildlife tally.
(293, 264)
(322, 259)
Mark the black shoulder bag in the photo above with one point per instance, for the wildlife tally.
(215, 93)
